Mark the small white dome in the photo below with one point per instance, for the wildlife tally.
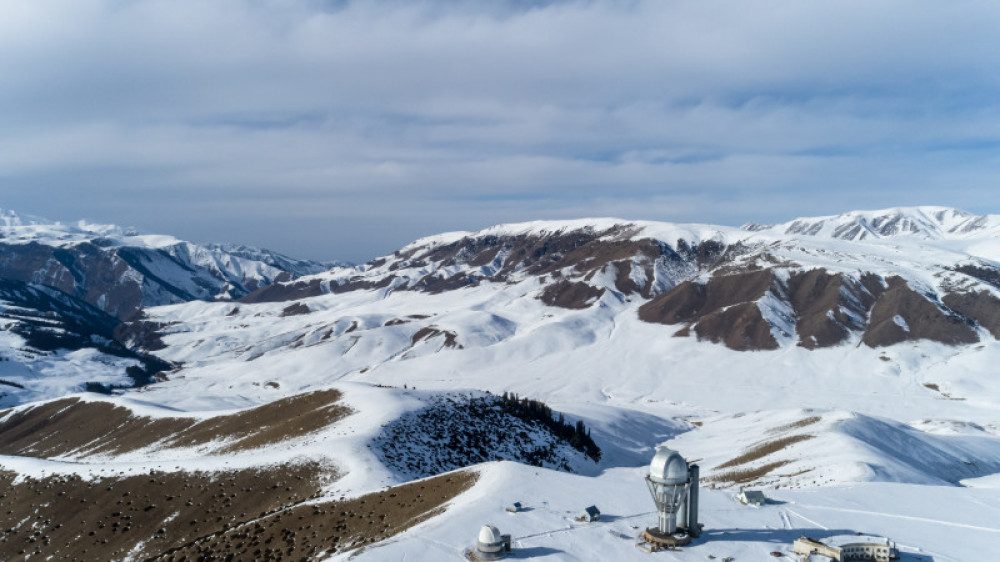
(668, 467)
(489, 535)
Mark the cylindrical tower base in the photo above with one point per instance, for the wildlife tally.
(653, 536)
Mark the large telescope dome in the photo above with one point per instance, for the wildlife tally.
(668, 467)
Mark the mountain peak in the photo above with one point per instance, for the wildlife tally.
(926, 222)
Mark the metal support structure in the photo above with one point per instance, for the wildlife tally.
(674, 487)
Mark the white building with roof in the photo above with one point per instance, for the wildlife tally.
(751, 497)
(847, 548)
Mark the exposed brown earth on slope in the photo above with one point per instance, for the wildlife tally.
(723, 310)
(827, 307)
(981, 306)
(625, 282)
(569, 294)
(430, 332)
(70, 518)
(295, 309)
(74, 427)
(281, 292)
(690, 300)
(740, 327)
(497, 258)
(84, 271)
(987, 275)
(923, 319)
(318, 530)
(816, 297)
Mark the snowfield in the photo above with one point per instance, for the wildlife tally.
(961, 527)
(901, 441)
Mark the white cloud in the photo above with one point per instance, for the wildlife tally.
(454, 112)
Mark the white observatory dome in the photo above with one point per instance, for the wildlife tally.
(668, 467)
(489, 539)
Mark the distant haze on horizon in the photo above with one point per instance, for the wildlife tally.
(335, 129)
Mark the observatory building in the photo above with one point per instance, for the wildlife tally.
(491, 545)
(674, 486)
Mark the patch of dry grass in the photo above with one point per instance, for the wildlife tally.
(72, 426)
(319, 530)
(762, 450)
(804, 422)
(744, 475)
(265, 514)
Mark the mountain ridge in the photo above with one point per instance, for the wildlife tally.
(748, 288)
(835, 373)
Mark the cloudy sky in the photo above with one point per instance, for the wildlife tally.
(341, 129)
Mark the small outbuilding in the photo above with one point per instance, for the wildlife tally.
(591, 514)
(751, 497)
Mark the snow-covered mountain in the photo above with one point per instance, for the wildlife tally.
(64, 290)
(887, 277)
(928, 223)
(843, 363)
(119, 270)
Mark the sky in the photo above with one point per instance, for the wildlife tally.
(345, 129)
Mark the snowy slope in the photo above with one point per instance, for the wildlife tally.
(921, 274)
(885, 419)
(928, 523)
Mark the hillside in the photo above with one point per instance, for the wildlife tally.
(65, 288)
(844, 364)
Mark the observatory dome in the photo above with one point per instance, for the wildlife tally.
(668, 467)
(489, 539)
